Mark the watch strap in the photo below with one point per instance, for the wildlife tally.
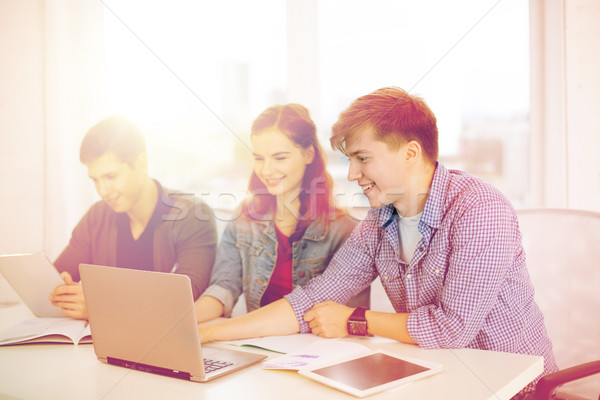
(357, 323)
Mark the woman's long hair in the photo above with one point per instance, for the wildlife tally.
(316, 193)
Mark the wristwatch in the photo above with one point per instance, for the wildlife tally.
(357, 323)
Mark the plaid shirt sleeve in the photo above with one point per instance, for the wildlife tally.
(350, 271)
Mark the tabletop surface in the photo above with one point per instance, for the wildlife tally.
(67, 371)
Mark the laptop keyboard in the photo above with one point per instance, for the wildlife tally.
(213, 365)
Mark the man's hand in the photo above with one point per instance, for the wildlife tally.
(69, 297)
(328, 319)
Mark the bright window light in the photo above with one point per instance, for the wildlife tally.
(194, 75)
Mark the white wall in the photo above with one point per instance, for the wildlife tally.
(51, 79)
(565, 110)
(22, 144)
(582, 39)
(74, 101)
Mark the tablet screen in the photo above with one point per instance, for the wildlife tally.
(370, 371)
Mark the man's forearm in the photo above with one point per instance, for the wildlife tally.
(390, 325)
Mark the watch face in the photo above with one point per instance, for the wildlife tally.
(357, 328)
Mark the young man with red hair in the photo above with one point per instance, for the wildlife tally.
(445, 244)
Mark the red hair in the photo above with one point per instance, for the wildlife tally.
(316, 194)
(395, 117)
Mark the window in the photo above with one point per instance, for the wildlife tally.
(468, 59)
(194, 75)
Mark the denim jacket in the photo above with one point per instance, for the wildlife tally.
(248, 250)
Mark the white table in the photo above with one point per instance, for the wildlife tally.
(48, 371)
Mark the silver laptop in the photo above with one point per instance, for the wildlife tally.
(145, 320)
(33, 277)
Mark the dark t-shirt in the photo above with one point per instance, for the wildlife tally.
(281, 282)
(282, 277)
(138, 254)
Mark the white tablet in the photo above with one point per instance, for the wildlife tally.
(371, 373)
(33, 277)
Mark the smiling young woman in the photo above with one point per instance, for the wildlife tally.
(289, 227)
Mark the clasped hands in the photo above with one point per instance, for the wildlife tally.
(328, 319)
(69, 297)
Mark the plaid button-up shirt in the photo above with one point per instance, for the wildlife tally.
(467, 284)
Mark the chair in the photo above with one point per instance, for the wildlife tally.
(563, 258)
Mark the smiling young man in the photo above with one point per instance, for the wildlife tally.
(445, 244)
(138, 223)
